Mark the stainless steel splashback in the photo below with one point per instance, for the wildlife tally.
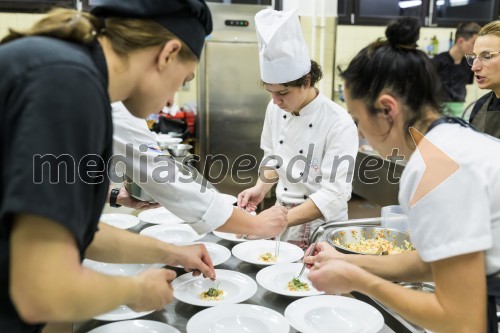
(231, 102)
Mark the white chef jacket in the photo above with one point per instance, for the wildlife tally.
(462, 214)
(306, 151)
(186, 199)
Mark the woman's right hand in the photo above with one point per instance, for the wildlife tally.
(250, 198)
(154, 290)
(322, 252)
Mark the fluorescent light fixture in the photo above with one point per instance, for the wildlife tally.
(457, 3)
(409, 4)
(440, 3)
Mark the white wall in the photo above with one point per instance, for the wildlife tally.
(342, 41)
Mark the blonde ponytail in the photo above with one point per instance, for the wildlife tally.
(66, 24)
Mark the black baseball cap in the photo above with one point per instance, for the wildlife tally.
(190, 20)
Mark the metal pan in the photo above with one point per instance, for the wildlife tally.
(340, 237)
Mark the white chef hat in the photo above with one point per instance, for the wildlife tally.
(283, 53)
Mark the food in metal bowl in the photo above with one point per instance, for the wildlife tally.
(369, 240)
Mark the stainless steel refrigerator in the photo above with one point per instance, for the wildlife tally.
(231, 102)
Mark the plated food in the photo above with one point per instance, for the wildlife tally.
(213, 294)
(197, 290)
(267, 257)
(296, 284)
(282, 279)
(261, 252)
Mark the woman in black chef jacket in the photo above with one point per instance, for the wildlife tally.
(58, 79)
(450, 189)
(485, 62)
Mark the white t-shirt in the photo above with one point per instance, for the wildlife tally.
(462, 214)
(315, 152)
(205, 209)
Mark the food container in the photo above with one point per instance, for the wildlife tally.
(136, 191)
(339, 238)
(179, 150)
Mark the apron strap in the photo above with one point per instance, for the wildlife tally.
(493, 285)
(450, 120)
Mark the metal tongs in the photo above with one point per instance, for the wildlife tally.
(277, 246)
(314, 238)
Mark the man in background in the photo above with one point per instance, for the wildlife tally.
(453, 70)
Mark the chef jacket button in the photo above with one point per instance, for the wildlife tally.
(301, 173)
(281, 142)
(285, 189)
(305, 196)
(301, 151)
(277, 167)
(310, 125)
(284, 116)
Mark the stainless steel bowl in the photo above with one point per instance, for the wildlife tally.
(340, 237)
(420, 286)
(179, 150)
(136, 191)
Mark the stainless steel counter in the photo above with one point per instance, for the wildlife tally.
(178, 313)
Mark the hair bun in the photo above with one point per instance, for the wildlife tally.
(403, 31)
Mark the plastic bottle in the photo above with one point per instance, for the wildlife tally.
(435, 45)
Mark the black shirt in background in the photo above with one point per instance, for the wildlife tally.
(454, 77)
(53, 101)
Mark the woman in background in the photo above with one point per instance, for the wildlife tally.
(485, 62)
(450, 189)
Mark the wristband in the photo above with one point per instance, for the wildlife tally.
(113, 196)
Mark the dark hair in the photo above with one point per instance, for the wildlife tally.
(403, 31)
(125, 34)
(467, 30)
(314, 75)
(395, 66)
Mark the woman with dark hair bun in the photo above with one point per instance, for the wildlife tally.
(450, 190)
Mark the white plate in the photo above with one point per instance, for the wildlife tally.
(238, 287)
(238, 318)
(172, 234)
(275, 278)
(325, 313)
(159, 216)
(218, 253)
(229, 236)
(250, 252)
(121, 221)
(121, 313)
(118, 269)
(136, 326)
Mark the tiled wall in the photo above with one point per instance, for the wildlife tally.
(342, 43)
